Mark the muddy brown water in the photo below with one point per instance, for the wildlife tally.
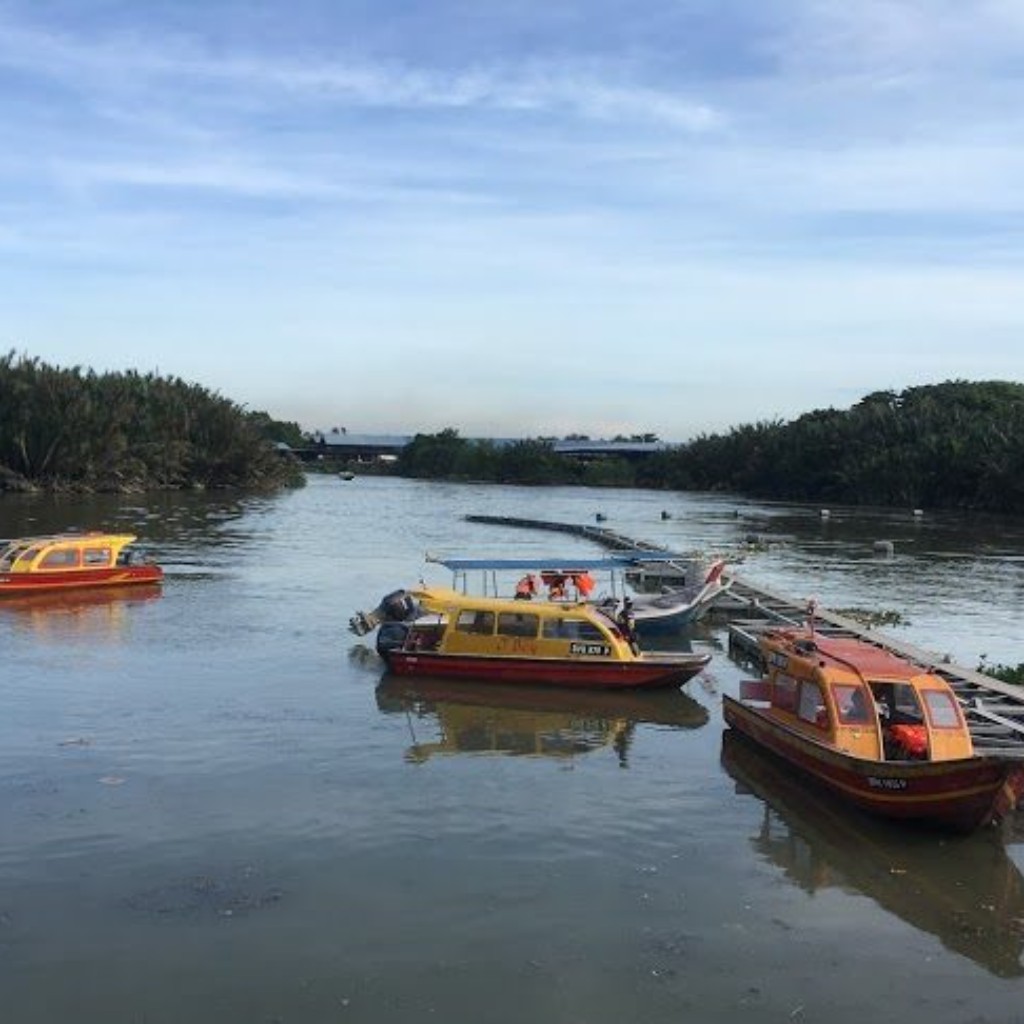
(215, 806)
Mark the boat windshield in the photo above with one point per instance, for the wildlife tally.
(942, 709)
(15, 553)
(852, 704)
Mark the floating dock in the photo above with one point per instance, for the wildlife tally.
(994, 710)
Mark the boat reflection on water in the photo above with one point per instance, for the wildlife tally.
(965, 891)
(490, 718)
(92, 613)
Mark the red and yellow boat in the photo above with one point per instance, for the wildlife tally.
(435, 631)
(876, 729)
(72, 561)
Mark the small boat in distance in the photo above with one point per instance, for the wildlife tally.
(875, 729)
(72, 561)
(436, 631)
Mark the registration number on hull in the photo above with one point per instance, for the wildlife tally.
(594, 650)
(876, 783)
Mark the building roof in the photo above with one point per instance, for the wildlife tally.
(344, 439)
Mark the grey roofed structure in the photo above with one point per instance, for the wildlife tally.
(601, 447)
(342, 444)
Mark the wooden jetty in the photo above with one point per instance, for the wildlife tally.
(994, 710)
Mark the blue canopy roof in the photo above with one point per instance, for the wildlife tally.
(565, 565)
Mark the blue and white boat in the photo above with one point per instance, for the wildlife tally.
(696, 586)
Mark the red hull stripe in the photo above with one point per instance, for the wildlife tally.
(36, 582)
(586, 674)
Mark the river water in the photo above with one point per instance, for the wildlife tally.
(214, 808)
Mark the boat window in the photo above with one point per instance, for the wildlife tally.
(784, 692)
(96, 556)
(852, 704)
(571, 629)
(812, 705)
(475, 622)
(897, 702)
(517, 624)
(941, 709)
(424, 636)
(27, 555)
(62, 558)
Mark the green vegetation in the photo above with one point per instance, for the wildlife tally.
(873, 619)
(446, 456)
(74, 429)
(1007, 673)
(952, 445)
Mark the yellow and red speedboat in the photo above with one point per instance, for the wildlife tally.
(72, 561)
(876, 729)
(435, 631)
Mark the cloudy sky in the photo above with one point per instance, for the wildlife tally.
(538, 217)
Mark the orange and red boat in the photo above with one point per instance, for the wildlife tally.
(877, 730)
(72, 561)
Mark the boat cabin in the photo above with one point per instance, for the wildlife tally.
(858, 698)
(64, 553)
(461, 624)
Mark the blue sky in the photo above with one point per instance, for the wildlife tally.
(517, 218)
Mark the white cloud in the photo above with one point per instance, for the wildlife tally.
(596, 212)
(132, 63)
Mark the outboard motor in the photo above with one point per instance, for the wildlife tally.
(391, 636)
(397, 607)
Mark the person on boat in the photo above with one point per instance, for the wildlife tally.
(626, 621)
(556, 588)
(857, 709)
(526, 587)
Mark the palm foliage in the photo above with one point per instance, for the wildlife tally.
(74, 428)
(952, 445)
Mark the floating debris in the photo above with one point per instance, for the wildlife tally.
(873, 619)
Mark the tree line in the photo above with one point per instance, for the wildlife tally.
(955, 445)
(76, 429)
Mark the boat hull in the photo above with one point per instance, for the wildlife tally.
(962, 794)
(24, 584)
(655, 621)
(642, 673)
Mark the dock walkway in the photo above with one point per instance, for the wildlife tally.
(994, 710)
